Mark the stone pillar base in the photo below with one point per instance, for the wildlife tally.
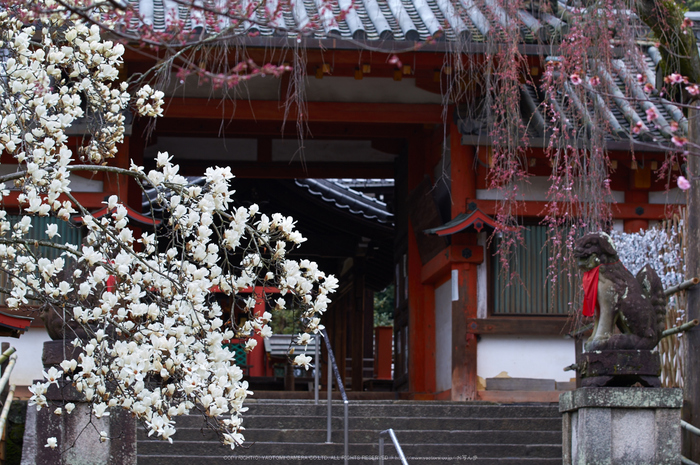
(621, 426)
(78, 433)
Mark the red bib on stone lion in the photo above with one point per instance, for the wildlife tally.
(590, 291)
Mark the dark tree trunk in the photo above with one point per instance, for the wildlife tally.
(678, 46)
(691, 400)
(679, 51)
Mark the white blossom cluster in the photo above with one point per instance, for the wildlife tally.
(659, 248)
(155, 338)
(149, 332)
(149, 102)
(51, 77)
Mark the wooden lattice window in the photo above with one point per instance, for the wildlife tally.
(528, 288)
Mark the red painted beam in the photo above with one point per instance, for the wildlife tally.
(539, 325)
(88, 200)
(287, 170)
(622, 211)
(439, 266)
(342, 112)
(130, 212)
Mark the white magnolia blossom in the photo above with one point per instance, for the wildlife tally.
(149, 331)
(303, 361)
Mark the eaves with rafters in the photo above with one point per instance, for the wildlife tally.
(436, 26)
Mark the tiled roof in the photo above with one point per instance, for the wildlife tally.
(412, 20)
(334, 192)
(350, 200)
(621, 99)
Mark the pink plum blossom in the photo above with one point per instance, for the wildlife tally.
(679, 141)
(639, 127)
(683, 183)
(394, 60)
(652, 114)
(675, 78)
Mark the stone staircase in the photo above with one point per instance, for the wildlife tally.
(294, 432)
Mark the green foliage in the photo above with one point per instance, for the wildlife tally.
(692, 5)
(285, 322)
(384, 304)
(15, 432)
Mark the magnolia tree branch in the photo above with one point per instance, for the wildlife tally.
(142, 311)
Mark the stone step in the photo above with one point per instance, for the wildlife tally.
(267, 450)
(294, 432)
(379, 423)
(468, 460)
(372, 435)
(399, 408)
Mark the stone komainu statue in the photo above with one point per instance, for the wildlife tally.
(635, 305)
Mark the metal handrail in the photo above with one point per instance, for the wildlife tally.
(317, 349)
(688, 427)
(341, 388)
(399, 451)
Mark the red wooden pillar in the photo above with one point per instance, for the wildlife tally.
(383, 336)
(257, 359)
(358, 324)
(123, 186)
(464, 301)
(462, 172)
(421, 298)
(421, 326)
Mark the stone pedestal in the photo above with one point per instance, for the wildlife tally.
(78, 434)
(619, 368)
(621, 426)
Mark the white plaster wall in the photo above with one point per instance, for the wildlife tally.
(525, 356)
(535, 188)
(481, 281)
(671, 196)
(29, 347)
(443, 336)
